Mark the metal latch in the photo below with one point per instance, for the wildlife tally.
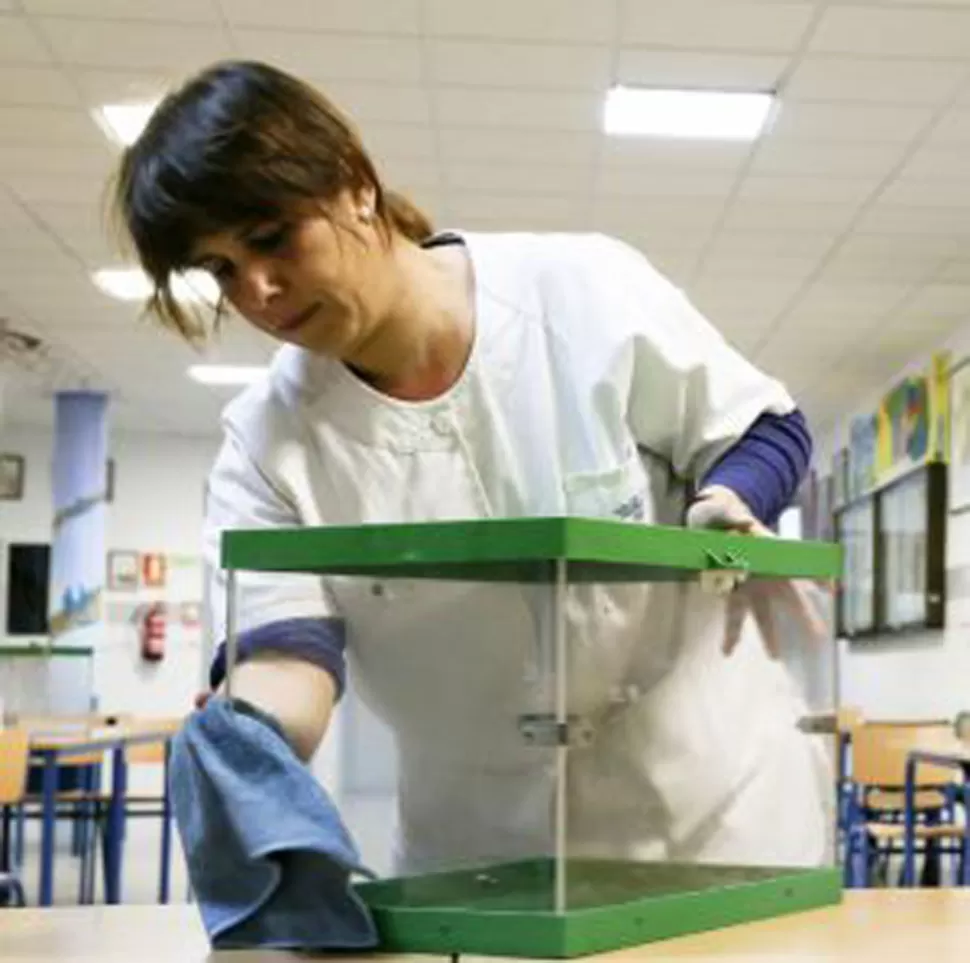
(543, 729)
(725, 572)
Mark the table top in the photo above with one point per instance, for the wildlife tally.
(871, 926)
(79, 742)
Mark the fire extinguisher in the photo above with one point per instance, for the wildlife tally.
(152, 632)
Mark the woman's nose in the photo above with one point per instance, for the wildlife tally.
(263, 286)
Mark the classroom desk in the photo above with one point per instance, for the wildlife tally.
(49, 749)
(871, 926)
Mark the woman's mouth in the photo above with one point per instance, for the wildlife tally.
(298, 320)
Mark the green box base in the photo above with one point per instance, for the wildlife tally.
(507, 909)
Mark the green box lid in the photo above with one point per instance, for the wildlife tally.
(523, 550)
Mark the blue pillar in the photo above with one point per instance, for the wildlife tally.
(78, 543)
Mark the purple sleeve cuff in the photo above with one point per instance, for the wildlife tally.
(767, 464)
(320, 641)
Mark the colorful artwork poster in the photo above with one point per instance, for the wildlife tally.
(863, 433)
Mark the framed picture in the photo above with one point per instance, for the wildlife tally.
(122, 571)
(12, 469)
(960, 437)
(153, 570)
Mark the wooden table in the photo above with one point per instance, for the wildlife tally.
(872, 926)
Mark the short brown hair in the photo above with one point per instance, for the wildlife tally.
(234, 146)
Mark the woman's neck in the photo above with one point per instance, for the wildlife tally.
(422, 346)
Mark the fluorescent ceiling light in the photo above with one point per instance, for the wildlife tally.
(124, 122)
(700, 114)
(132, 284)
(225, 374)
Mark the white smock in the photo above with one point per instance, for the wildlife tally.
(593, 388)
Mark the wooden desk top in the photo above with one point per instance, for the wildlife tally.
(873, 926)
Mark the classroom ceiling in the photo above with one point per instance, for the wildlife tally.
(832, 250)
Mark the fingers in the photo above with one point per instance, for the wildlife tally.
(736, 610)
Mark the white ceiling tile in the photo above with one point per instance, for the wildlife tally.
(941, 299)
(657, 216)
(558, 147)
(732, 264)
(26, 86)
(19, 44)
(915, 221)
(410, 176)
(956, 271)
(850, 266)
(352, 16)
(379, 103)
(848, 123)
(159, 11)
(714, 296)
(639, 66)
(55, 187)
(928, 193)
(875, 81)
(852, 299)
(717, 26)
(349, 57)
(550, 21)
(793, 218)
(634, 182)
(109, 43)
(830, 190)
(44, 160)
(651, 155)
(893, 33)
(772, 243)
(519, 65)
(658, 246)
(47, 126)
(124, 86)
(938, 164)
(515, 212)
(786, 156)
(952, 129)
(518, 178)
(399, 142)
(525, 108)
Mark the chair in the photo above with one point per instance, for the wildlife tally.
(14, 752)
(875, 819)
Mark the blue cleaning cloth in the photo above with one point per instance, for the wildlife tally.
(269, 857)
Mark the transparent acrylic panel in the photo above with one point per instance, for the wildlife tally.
(575, 748)
(711, 756)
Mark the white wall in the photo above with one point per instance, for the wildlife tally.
(157, 507)
(925, 675)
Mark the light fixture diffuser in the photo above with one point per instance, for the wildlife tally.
(124, 122)
(688, 114)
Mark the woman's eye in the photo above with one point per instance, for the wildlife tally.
(269, 239)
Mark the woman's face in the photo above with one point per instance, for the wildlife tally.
(318, 281)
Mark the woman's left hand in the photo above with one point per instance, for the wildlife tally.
(720, 508)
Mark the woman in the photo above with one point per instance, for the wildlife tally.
(437, 376)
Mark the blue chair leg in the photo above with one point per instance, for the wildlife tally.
(18, 839)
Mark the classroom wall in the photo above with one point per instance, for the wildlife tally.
(924, 675)
(157, 507)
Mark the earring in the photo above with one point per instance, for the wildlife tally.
(366, 214)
